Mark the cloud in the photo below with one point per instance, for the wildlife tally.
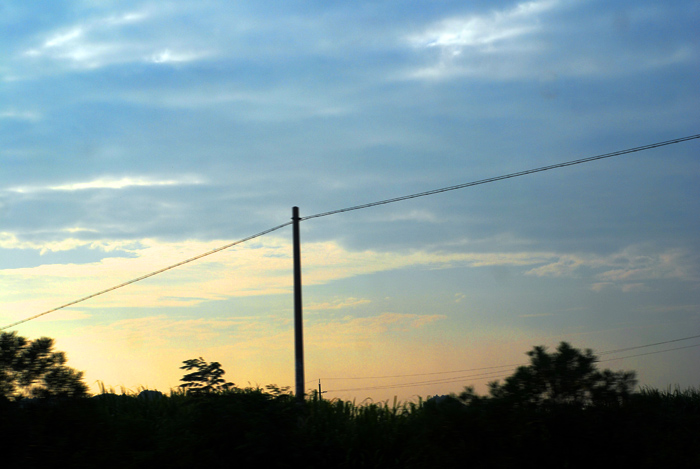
(414, 215)
(628, 269)
(461, 40)
(75, 47)
(485, 32)
(11, 241)
(261, 268)
(526, 41)
(353, 332)
(264, 267)
(70, 315)
(108, 183)
(161, 330)
(108, 40)
(257, 333)
(336, 304)
(62, 39)
(168, 56)
(20, 115)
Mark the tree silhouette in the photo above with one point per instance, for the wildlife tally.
(33, 369)
(567, 376)
(207, 377)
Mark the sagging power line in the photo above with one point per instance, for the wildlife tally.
(143, 277)
(363, 206)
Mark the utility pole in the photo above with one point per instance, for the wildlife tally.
(298, 322)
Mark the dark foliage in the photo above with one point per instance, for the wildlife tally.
(269, 428)
(567, 376)
(250, 426)
(31, 369)
(206, 378)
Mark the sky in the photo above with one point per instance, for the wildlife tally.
(137, 134)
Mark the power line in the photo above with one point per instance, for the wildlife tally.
(455, 379)
(650, 353)
(371, 204)
(143, 277)
(648, 345)
(424, 374)
(505, 176)
(496, 374)
(522, 364)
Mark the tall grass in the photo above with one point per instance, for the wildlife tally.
(268, 428)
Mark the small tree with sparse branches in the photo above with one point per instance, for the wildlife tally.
(206, 378)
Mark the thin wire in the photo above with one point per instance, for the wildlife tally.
(493, 374)
(372, 204)
(648, 345)
(424, 374)
(650, 353)
(143, 277)
(506, 176)
(519, 364)
(490, 375)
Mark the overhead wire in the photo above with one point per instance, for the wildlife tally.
(489, 375)
(500, 178)
(496, 374)
(649, 345)
(151, 274)
(650, 353)
(363, 206)
(424, 374)
(455, 379)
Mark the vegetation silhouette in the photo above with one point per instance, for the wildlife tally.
(206, 379)
(561, 423)
(567, 376)
(32, 369)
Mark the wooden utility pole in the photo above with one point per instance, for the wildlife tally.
(298, 322)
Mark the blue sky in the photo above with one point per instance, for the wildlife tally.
(134, 135)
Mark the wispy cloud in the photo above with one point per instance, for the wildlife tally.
(628, 270)
(107, 40)
(526, 40)
(485, 32)
(415, 215)
(245, 272)
(353, 332)
(12, 114)
(108, 183)
(264, 268)
(461, 40)
(169, 56)
(11, 241)
(162, 329)
(337, 304)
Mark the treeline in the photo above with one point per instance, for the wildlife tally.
(270, 429)
(559, 411)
